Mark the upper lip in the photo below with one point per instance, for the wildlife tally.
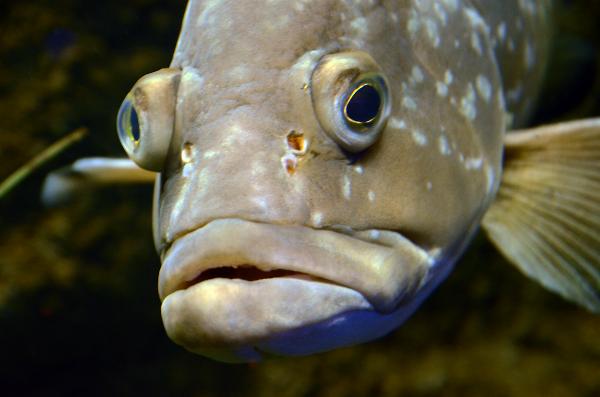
(382, 265)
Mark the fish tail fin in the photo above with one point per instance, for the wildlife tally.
(546, 217)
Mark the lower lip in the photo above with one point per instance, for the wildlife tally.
(221, 312)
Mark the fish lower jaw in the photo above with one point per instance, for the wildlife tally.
(237, 320)
(235, 289)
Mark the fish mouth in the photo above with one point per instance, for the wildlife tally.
(382, 266)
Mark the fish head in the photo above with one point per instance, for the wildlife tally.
(324, 164)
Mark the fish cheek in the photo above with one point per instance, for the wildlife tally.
(412, 189)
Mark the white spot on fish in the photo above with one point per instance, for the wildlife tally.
(419, 137)
(261, 202)
(473, 163)
(476, 43)
(491, 178)
(500, 99)
(442, 89)
(508, 120)
(451, 4)
(359, 26)
(235, 134)
(443, 145)
(501, 32)
(187, 170)
(358, 169)
(467, 103)
(441, 13)
(346, 187)
(418, 3)
(238, 73)
(317, 219)
(413, 25)
(429, 185)
(207, 17)
(396, 123)
(527, 6)
(432, 32)
(258, 169)
(409, 103)
(417, 74)
(371, 195)
(374, 234)
(448, 77)
(475, 19)
(484, 87)
(209, 154)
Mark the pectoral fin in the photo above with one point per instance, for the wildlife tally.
(84, 173)
(546, 218)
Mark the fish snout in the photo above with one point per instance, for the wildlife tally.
(234, 170)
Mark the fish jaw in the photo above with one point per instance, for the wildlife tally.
(228, 319)
(323, 275)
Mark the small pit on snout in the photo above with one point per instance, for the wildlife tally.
(244, 272)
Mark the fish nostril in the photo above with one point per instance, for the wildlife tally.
(187, 153)
(289, 163)
(296, 141)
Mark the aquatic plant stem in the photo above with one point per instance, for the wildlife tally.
(50, 152)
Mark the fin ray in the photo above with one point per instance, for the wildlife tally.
(567, 246)
(546, 218)
(572, 218)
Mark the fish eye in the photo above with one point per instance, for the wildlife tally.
(351, 99)
(363, 105)
(146, 118)
(128, 123)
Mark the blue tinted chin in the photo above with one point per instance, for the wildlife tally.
(342, 330)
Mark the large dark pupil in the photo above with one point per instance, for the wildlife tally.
(364, 104)
(135, 124)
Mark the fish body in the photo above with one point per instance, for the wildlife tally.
(323, 164)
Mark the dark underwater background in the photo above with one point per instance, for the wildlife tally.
(79, 310)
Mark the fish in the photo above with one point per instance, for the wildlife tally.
(320, 167)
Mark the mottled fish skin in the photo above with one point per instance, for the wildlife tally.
(520, 32)
(238, 99)
(455, 69)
